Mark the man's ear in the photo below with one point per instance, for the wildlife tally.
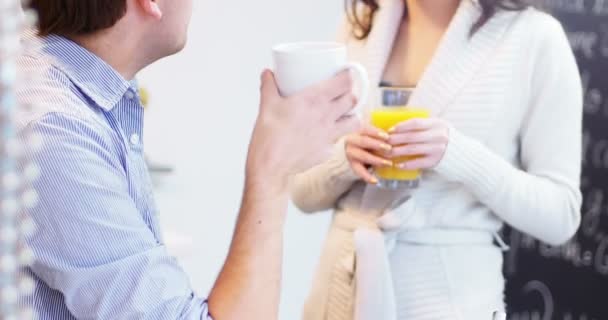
(151, 8)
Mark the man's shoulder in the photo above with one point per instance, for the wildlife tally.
(44, 90)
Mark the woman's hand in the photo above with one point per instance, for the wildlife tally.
(363, 150)
(424, 139)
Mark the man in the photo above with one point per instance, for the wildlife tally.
(98, 246)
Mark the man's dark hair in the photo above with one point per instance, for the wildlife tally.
(77, 17)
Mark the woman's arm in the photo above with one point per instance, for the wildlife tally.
(543, 199)
(319, 188)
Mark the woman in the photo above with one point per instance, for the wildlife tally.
(503, 146)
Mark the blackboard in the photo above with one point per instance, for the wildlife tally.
(570, 282)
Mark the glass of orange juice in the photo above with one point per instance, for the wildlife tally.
(394, 110)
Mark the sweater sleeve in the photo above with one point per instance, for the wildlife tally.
(319, 188)
(542, 198)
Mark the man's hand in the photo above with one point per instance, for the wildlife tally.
(296, 133)
(291, 135)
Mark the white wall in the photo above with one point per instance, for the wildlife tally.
(203, 104)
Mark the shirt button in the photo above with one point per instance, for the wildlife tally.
(130, 95)
(134, 139)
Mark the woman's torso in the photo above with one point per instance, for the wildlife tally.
(482, 87)
(490, 108)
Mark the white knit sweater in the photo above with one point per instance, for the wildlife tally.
(512, 94)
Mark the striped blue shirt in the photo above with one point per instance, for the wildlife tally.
(98, 247)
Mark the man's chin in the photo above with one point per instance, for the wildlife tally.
(179, 47)
(171, 51)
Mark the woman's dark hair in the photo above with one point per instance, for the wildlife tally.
(77, 17)
(362, 19)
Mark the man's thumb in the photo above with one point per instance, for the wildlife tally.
(269, 89)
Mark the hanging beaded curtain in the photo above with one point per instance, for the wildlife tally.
(16, 174)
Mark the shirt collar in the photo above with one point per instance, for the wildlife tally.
(97, 79)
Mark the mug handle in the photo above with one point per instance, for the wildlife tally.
(362, 74)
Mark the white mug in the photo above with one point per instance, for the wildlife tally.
(302, 64)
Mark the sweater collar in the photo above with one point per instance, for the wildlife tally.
(457, 59)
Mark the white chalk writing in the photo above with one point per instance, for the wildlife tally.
(601, 257)
(594, 7)
(568, 6)
(545, 312)
(603, 43)
(600, 7)
(584, 42)
(594, 203)
(593, 257)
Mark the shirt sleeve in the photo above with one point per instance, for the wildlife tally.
(92, 244)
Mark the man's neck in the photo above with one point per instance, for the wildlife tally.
(122, 53)
(435, 14)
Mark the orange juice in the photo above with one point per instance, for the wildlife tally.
(387, 118)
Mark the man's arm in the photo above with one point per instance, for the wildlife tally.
(95, 248)
(291, 135)
(249, 284)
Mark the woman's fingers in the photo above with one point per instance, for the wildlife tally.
(419, 163)
(368, 142)
(360, 155)
(374, 132)
(425, 136)
(417, 149)
(417, 124)
(363, 173)
(364, 150)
